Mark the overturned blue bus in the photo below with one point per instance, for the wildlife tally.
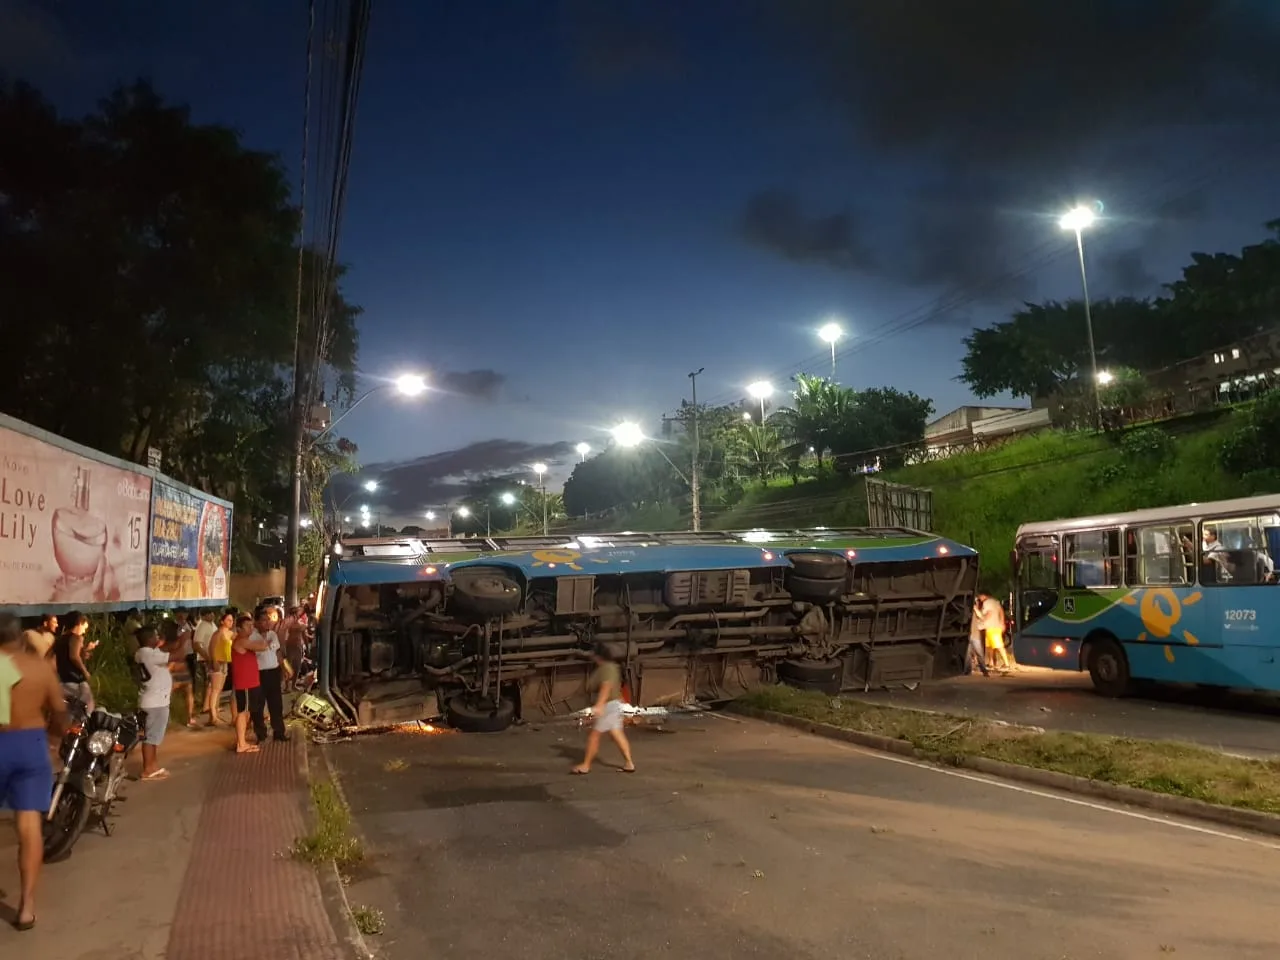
(489, 631)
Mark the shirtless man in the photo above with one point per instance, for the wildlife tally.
(29, 690)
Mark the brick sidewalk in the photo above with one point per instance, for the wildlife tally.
(243, 897)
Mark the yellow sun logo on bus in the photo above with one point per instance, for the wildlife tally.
(549, 558)
(1161, 611)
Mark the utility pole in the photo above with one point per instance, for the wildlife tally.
(695, 479)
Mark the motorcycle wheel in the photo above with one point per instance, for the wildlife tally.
(69, 820)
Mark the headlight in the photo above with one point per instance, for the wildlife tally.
(101, 741)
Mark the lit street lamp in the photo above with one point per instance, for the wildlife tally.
(463, 512)
(1105, 377)
(371, 485)
(830, 333)
(406, 384)
(762, 390)
(1078, 220)
(541, 469)
(583, 449)
(628, 435)
(509, 499)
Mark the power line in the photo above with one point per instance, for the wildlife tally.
(337, 121)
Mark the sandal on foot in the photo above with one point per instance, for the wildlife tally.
(579, 772)
(161, 774)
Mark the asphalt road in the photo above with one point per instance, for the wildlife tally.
(740, 839)
(1062, 700)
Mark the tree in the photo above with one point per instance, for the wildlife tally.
(1043, 348)
(148, 271)
(763, 449)
(883, 423)
(1039, 349)
(819, 411)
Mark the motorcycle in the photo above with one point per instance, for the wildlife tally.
(93, 751)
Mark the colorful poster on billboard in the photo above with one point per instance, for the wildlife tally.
(73, 530)
(190, 545)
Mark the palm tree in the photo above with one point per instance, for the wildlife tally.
(762, 448)
(818, 413)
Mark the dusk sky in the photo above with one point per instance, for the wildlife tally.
(558, 209)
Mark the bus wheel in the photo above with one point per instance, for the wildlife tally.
(819, 566)
(485, 591)
(814, 591)
(820, 675)
(471, 714)
(1109, 668)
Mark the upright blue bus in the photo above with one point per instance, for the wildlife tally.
(1174, 595)
(487, 631)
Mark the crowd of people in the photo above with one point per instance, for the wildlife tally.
(246, 659)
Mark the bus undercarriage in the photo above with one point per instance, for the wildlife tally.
(488, 646)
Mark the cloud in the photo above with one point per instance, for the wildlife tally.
(618, 40)
(476, 384)
(1126, 274)
(1005, 109)
(1004, 81)
(774, 220)
(407, 488)
(33, 44)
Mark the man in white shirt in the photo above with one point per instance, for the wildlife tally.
(154, 696)
(269, 670)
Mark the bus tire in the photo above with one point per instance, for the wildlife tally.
(821, 675)
(819, 566)
(1108, 667)
(815, 591)
(486, 592)
(470, 714)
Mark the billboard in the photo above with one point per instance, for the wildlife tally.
(73, 524)
(190, 545)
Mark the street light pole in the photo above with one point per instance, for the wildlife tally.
(695, 480)
(1077, 220)
(1088, 325)
(541, 470)
(831, 332)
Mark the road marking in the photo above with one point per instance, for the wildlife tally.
(1018, 788)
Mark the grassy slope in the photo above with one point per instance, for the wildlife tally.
(980, 498)
(1172, 768)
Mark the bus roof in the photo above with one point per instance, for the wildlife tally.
(1269, 503)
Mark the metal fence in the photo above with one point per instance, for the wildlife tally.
(898, 505)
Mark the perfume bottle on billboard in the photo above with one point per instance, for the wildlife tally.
(79, 537)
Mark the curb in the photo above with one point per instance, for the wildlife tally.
(331, 887)
(1254, 820)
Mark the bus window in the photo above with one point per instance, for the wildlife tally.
(1159, 555)
(1092, 559)
(1239, 551)
(1038, 567)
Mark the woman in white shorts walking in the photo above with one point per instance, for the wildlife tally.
(606, 684)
